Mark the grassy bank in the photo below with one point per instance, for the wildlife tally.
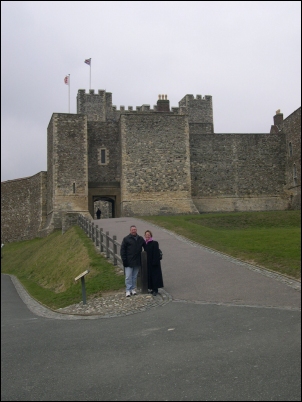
(269, 239)
(47, 267)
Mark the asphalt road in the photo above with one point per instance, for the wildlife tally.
(231, 333)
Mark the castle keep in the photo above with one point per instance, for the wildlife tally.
(152, 161)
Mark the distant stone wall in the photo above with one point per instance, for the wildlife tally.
(201, 128)
(105, 207)
(69, 219)
(292, 129)
(23, 207)
(238, 171)
(155, 164)
(103, 136)
(50, 170)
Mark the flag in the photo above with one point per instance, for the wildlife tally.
(88, 61)
(66, 79)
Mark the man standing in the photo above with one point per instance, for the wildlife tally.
(98, 213)
(131, 249)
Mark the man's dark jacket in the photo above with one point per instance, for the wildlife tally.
(131, 250)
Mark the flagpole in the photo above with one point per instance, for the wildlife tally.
(90, 75)
(88, 61)
(68, 93)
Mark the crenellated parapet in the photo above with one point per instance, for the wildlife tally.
(189, 99)
(98, 107)
(200, 109)
(130, 109)
(93, 105)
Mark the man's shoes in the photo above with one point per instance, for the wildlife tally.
(128, 293)
(133, 291)
(154, 293)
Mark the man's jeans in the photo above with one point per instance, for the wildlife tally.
(130, 278)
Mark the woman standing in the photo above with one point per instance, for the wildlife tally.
(155, 277)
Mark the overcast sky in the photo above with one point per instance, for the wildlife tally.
(246, 54)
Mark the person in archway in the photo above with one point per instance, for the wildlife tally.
(155, 277)
(98, 213)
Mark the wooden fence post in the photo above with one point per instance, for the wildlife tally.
(96, 235)
(101, 240)
(114, 250)
(92, 232)
(107, 245)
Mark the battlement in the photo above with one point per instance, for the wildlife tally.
(91, 92)
(199, 109)
(98, 106)
(94, 106)
(143, 108)
(186, 100)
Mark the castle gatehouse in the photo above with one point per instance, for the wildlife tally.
(152, 161)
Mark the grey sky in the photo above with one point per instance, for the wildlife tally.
(247, 55)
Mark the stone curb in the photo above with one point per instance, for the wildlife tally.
(117, 305)
(144, 303)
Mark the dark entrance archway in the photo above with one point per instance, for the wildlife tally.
(110, 200)
(109, 192)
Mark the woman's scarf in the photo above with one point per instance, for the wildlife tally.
(147, 241)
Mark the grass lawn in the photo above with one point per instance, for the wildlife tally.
(268, 239)
(47, 267)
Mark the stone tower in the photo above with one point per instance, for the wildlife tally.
(67, 167)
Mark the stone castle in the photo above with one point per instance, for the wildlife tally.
(152, 162)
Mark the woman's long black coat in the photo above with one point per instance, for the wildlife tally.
(155, 277)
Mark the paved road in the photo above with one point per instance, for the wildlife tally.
(195, 273)
(230, 333)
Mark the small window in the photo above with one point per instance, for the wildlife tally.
(290, 149)
(103, 156)
(73, 188)
(295, 175)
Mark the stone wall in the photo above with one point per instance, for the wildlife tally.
(292, 129)
(69, 219)
(50, 167)
(103, 136)
(238, 171)
(155, 172)
(105, 207)
(201, 128)
(23, 207)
